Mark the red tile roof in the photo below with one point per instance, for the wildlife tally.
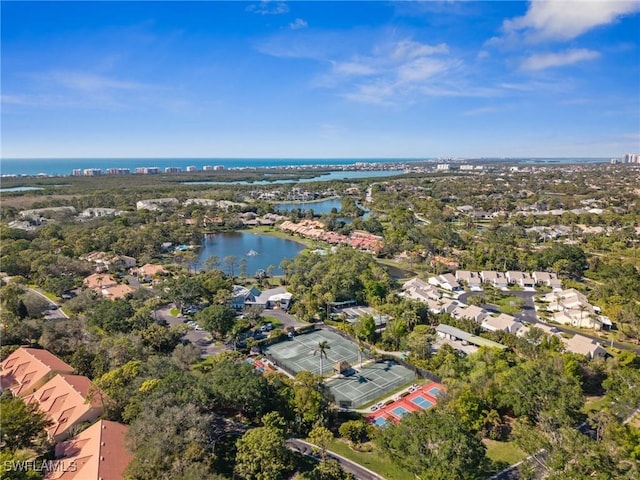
(26, 369)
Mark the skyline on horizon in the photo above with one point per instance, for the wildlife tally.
(361, 80)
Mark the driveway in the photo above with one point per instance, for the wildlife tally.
(196, 337)
(286, 319)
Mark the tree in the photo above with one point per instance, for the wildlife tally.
(307, 402)
(356, 431)
(433, 444)
(212, 262)
(218, 319)
(321, 437)
(230, 262)
(323, 346)
(329, 470)
(366, 328)
(112, 315)
(21, 423)
(262, 455)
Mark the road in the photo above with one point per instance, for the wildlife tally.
(529, 315)
(56, 312)
(357, 470)
(286, 319)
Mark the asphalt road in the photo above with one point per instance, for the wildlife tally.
(197, 337)
(55, 313)
(357, 470)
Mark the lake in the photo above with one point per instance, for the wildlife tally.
(336, 175)
(319, 208)
(268, 250)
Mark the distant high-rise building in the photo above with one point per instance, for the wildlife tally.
(77, 172)
(631, 158)
(207, 168)
(192, 168)
(147, 170)
(172, 170)
(118, 171)
(92, 172)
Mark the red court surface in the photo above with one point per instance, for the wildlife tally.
(422, 398)
(260, 365)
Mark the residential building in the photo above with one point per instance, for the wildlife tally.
(497, 279)
(472, 279)
(152, 270)
(503, 322)
(446, 282)
(117, 291)
(242, 296)
(472, 312)
(157, 204)
(99, 280)
(522, 279)
(585, 346)
(548, 279)
(67, 401)
(97, 453)
(27, 369)
(273, 298)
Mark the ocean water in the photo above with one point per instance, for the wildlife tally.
(64, 166)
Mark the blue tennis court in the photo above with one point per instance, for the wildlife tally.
(422, 402)
(381, 422)
(399, 411)
(434, 391)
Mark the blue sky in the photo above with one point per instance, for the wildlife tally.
(320, 79)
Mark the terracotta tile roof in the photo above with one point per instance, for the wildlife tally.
(97, 453)
(27, 369)
(117, 291)
(99, 280)
(67, 400)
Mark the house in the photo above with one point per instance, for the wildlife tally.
(418, 289)
(67, 401)
(522, 279)
(152, 270)
(242, 296)
(27, 369)
(157, 204)
(585, 346)
(567, 299)
(97, 453)
(472, 312)
(446, 281)
(99, 280)
(117, 291)
(272, 298)
(472, 279)
(497, 279)
(502, 322)
(548, 279)
(453, 333)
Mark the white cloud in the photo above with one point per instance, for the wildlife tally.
(298, 23)
(90, 82)
(267, 7)
(563, 20)
(541, 61)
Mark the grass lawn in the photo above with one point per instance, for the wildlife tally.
(510, 305)
(374, 461)
(593, 404)
(503, 451)
(174, 312)
(273, 320)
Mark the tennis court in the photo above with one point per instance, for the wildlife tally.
(434, 391)
(399, 411)
(422, 402)
(297, 354)
(370, 383)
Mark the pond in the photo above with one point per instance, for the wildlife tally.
(259, 251)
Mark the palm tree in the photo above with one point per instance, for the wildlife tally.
(323, 346)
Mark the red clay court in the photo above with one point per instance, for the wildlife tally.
(422, 398)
